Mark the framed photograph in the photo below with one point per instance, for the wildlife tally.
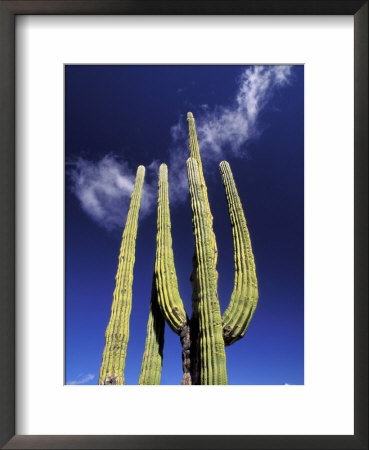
(99, 183)
(184, 202)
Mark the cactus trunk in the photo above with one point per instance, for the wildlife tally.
(117, 331)
(195, 350)
(211, 343)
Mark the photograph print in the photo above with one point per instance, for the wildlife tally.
(184, 224)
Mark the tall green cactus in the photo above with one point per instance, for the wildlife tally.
(117, 331)
(211, 343)
(206, 334)
(244, 297)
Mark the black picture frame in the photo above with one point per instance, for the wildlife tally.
(8, 11)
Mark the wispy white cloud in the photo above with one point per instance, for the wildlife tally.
(226, 129)
(82, 379)
(177, 172)
(104, 189)
(178, 131)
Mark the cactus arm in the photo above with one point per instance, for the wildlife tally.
(195, 153)
(117, 331)
(152, 359)
(211, 343)
(244, 298)
(169, 299)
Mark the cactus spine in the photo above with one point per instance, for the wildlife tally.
(117, 331)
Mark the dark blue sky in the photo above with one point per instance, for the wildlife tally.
(125, 114)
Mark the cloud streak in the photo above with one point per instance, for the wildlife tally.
(226, 129)
(104, 187)
(82, 379)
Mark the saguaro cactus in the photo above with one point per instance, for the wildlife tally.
(206, 334)
(117, 331)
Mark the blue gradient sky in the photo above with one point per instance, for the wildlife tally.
(126, 115)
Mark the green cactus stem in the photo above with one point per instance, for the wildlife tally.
(152, 359)
(167, 285)
(169, 298)
(195, 153)
(117, 331)
(244, 297)
(211, 343)
(195, 350)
